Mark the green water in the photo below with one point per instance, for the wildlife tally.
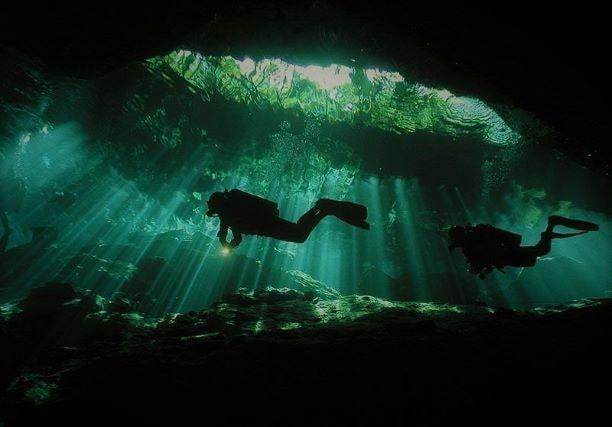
(119, 170)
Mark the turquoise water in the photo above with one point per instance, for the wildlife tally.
(119, 169)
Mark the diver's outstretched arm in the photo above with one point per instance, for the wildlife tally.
(222, 234)
(236, 239)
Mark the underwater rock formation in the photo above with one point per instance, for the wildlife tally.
(286, 356)
(159, 278)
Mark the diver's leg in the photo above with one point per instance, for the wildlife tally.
(527, 256)
(544, 245)
(346, 211)
(309, 221)
(298, 231)
(576, 224)
(349, 212)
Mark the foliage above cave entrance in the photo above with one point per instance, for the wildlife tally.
(337, 93)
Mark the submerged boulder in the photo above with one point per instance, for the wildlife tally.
(52, 303)
(48, 298)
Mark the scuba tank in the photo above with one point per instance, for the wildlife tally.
(243, 202)
(487, 247)
(493, 237)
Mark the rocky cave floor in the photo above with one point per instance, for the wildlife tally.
(285, 356)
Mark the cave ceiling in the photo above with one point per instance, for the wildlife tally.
(545, 62)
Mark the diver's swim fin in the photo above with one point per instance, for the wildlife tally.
(352, 213)
(576, 224)
(357, 223)
(565, 235)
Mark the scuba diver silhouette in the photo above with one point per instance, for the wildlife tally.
(487, 247)
(245, 213)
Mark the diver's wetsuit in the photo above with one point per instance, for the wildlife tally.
(484, 251)
(482, 255)
(269, 226)
(241, 218)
